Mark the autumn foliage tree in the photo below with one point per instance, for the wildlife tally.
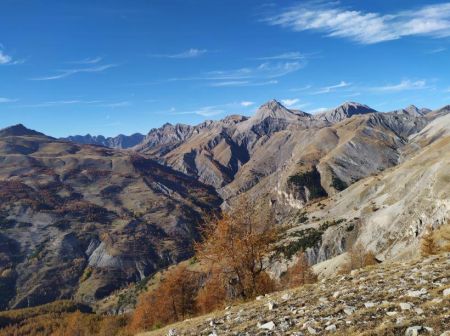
(358, 257)
(173, 300)
(235, 248)
(301, 273)
(428, 244)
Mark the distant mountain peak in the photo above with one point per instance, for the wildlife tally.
(274, 109)
(413, 110)
(344, 111)
(19, 130)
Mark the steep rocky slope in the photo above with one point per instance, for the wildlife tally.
(387, 212)
(408, 298)
(80, 221)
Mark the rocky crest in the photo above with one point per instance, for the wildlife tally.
(119, 142)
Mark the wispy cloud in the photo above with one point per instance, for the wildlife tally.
(365, 27)
(190, 53)
(247, 103)
(7, 100)
(63, 102)
(303, 88)
(318, 110)
(93, 60)
(436, 50)
(332, 88)
(6, 59)
(206, 111)
(118, 104)
(243, 83)
(70, 72)
(264, 70)
(289, 56)
(290, 102)
(404, 85)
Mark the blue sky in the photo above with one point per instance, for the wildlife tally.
(121, 66)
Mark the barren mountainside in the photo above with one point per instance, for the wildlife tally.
(79, 221)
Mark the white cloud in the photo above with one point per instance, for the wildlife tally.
(190, 53)
(93, 60)
(404, 85)
(436, 50)
(7, 59)
(4, 59)
(247, 103)
(70, 72)
(332, 88)
(63, 102)
(366, 27)
(289, 102)
(243, 83)
(292, 56)
(264, 70)
(303, 88)
(119, 104)
(319, 110)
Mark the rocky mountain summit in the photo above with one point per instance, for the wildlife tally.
(408, 298)
(346, 110)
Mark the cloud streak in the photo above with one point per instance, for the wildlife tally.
(365, 27)
(404, 85)
(332, 88)
(190, 53)
(70, 72)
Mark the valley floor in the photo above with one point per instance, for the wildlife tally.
(409, 298)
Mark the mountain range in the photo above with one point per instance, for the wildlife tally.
(83, 216)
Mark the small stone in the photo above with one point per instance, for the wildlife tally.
(417, 293)
(437, 300)
(349, 310)
(336, 294)
(418, 330)
(446, 292)
(312, 331)
(391, 313)
(405, 306)
(331, 327)
(271, 305)
(259, 298)
(172, 332)
(268, 326)
(213, 333)
(286, 296)
(369, 304)
(323, 300)
(419, 311)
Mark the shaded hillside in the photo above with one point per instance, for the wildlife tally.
(81, 221)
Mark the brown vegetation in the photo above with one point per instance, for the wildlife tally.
(358, 257)
(428, 244)
(301, 273)
(173, 300)
(61, 318)
(233, 261)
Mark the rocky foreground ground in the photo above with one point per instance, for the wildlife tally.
(410, 298)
